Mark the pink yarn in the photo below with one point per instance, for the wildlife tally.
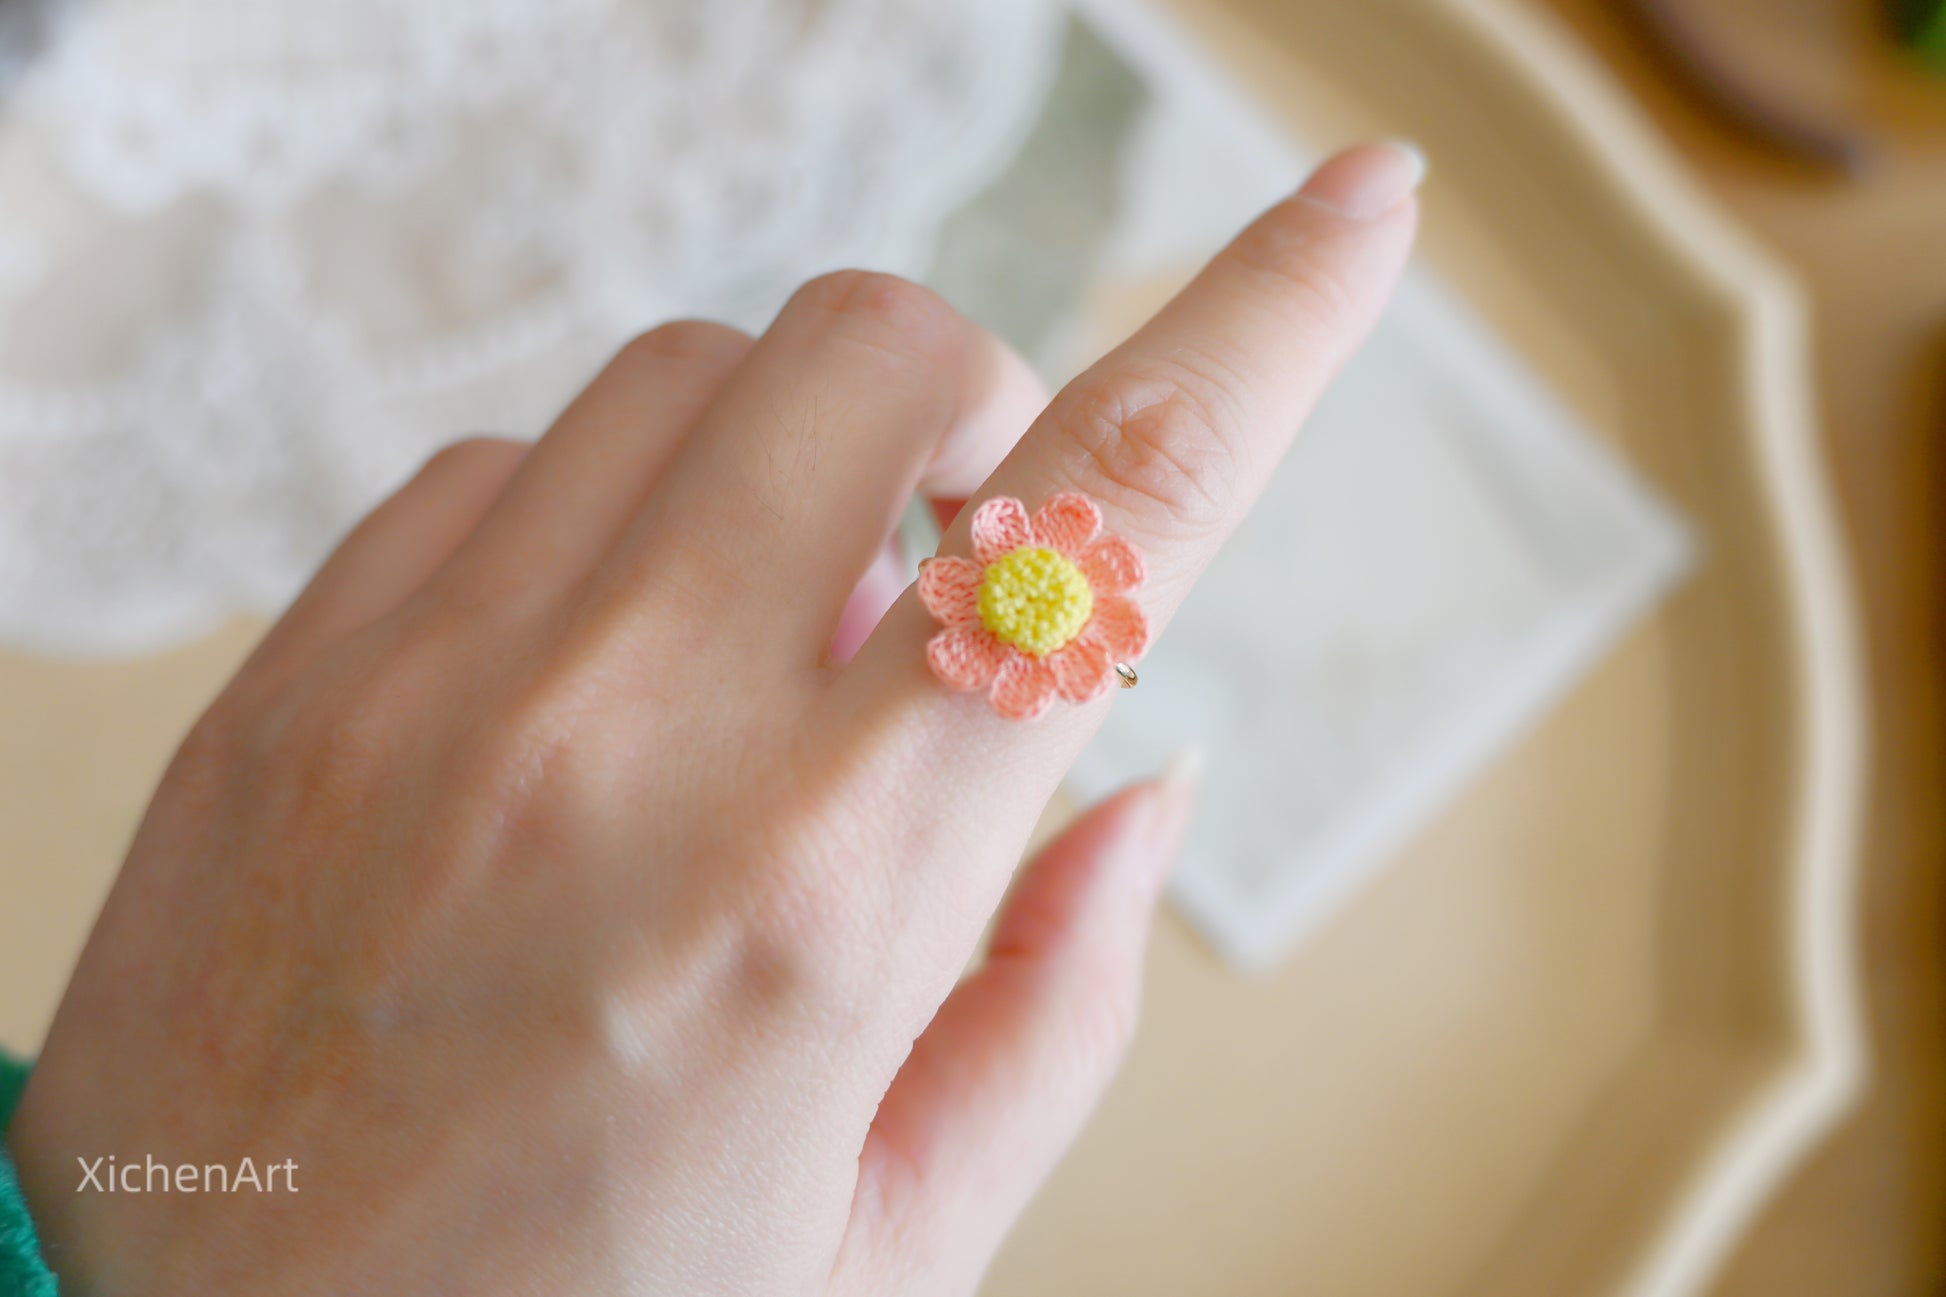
(1022, 686)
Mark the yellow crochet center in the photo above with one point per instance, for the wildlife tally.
(1035, 600)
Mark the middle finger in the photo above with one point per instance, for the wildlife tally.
(794, 478)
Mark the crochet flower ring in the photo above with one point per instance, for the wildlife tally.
(1041, 609)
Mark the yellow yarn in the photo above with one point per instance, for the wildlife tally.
(1035, 599)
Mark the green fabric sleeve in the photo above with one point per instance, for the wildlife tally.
(1922, 26)
(1930, 41)
(22, 1272)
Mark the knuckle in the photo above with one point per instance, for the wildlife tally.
(473, 455)
(221, 739)
(866, 292)
(799, 954)
(1160, 445)
(891, 314)
(345, 738)
(353, 721)
(811, 908)
(515, 727)
(471, 450)
(330, 754)
(346, 730)
(683, 340)
(816, 913)
(525, 742)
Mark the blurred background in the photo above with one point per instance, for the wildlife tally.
(1565, 915)
(1863, 1213)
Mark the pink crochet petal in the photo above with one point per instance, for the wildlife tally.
(1119, 627)
(1024, 688)
(950, 589)
(965, 657)
(1112, 565)
(1066, 523)
(999, 528)
(1082, 670)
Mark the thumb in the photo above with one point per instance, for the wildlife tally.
(1017, 1057)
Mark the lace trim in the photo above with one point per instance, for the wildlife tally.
(257, 261)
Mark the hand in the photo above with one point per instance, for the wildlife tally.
(546, 893)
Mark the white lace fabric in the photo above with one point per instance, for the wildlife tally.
(258, 259)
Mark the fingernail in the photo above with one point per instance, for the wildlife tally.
(1181, 778)
(1175, 798)
(1364, 183)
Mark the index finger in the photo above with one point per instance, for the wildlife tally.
(1175, 433)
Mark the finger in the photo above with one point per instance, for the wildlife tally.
(1001, 397)
(875, 592)
(591, 472)
(394, 550)
(969, 452)
(777, 505)
(1014, 1062)
(1177, 431)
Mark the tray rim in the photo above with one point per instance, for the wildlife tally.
(1646, 181)
(1640, 178)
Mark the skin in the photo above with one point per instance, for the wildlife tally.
(579, 897)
